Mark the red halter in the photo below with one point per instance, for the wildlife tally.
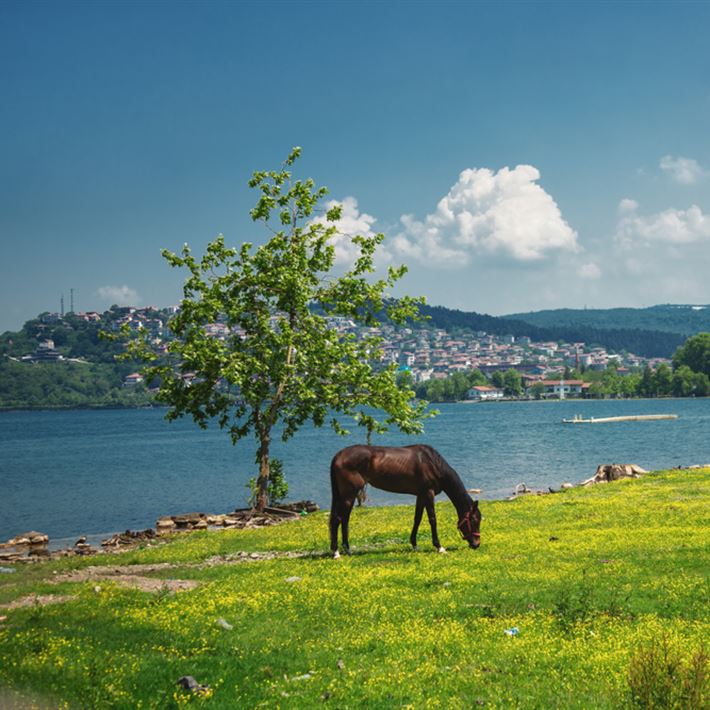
(466, 521)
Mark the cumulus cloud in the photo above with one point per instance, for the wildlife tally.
(351, 223)
(685, 171)
(120, 295)
(488, 213)
(671, 226)
(661, 257)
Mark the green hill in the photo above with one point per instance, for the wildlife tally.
(644, 342)
(683, 320)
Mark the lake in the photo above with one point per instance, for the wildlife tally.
(67, 473)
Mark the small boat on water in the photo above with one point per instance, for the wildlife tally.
(631, 418)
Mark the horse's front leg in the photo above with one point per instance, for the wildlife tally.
(335, 519)
(419, 510)
(431, 513)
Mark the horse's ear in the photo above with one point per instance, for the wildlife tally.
(475, 505)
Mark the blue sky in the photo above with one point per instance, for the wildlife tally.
(518, 156)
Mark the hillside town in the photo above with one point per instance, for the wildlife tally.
(424, 352)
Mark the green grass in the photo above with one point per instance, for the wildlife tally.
(592, 578)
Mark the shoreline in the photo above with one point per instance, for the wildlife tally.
(91, 544)
(504, 400)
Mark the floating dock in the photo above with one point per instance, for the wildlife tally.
(632, 418)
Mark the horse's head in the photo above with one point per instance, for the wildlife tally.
(470, 526)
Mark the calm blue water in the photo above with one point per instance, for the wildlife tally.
(80, 472)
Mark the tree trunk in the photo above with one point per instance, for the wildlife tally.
(262, 483)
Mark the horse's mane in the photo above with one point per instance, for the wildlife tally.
(436, 459)
(441, 464)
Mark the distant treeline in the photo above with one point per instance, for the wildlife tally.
(647, 343)
(678, 319)
(66, 384)
(662, 382)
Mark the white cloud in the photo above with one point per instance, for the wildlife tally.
(589, 271)
(661, 257)
(351, 223)
(488, 213)
(686, 171)
(672, 226)
(627, 205)
(119, 295)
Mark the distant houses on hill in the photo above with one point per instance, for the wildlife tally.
(426, 353)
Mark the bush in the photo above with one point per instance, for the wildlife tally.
(660, 678)
(573, 605)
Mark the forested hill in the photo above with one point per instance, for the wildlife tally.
(644, 342)
(682, 320)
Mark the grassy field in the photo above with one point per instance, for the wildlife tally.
(607, 588)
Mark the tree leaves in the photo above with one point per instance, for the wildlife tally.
(282, 362)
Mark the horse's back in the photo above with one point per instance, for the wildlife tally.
(398, 469)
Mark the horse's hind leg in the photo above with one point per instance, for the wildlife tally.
(431, 513)
(339, 518)
(345, 522)
(419, 510)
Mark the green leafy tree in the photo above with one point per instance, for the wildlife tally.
(683, 381)
(461, 386)
(647, 386)
(538, 390)
(476, 377)
(497, 379)
(701, 384)
(695, 353)
(282, 364)
(597, 390)
(512, 383)
(612, 382)
(629, 385)
(663, 380)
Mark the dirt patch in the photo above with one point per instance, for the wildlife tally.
(240, 557)
(127, 577)
(14, 700)
(37, 599)
(151, 584)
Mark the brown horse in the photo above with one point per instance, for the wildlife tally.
(418, 470)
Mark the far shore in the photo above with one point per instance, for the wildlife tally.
(504, 400)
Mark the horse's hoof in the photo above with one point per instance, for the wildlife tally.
(442, 549)
(414, 548)
(336, 555)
